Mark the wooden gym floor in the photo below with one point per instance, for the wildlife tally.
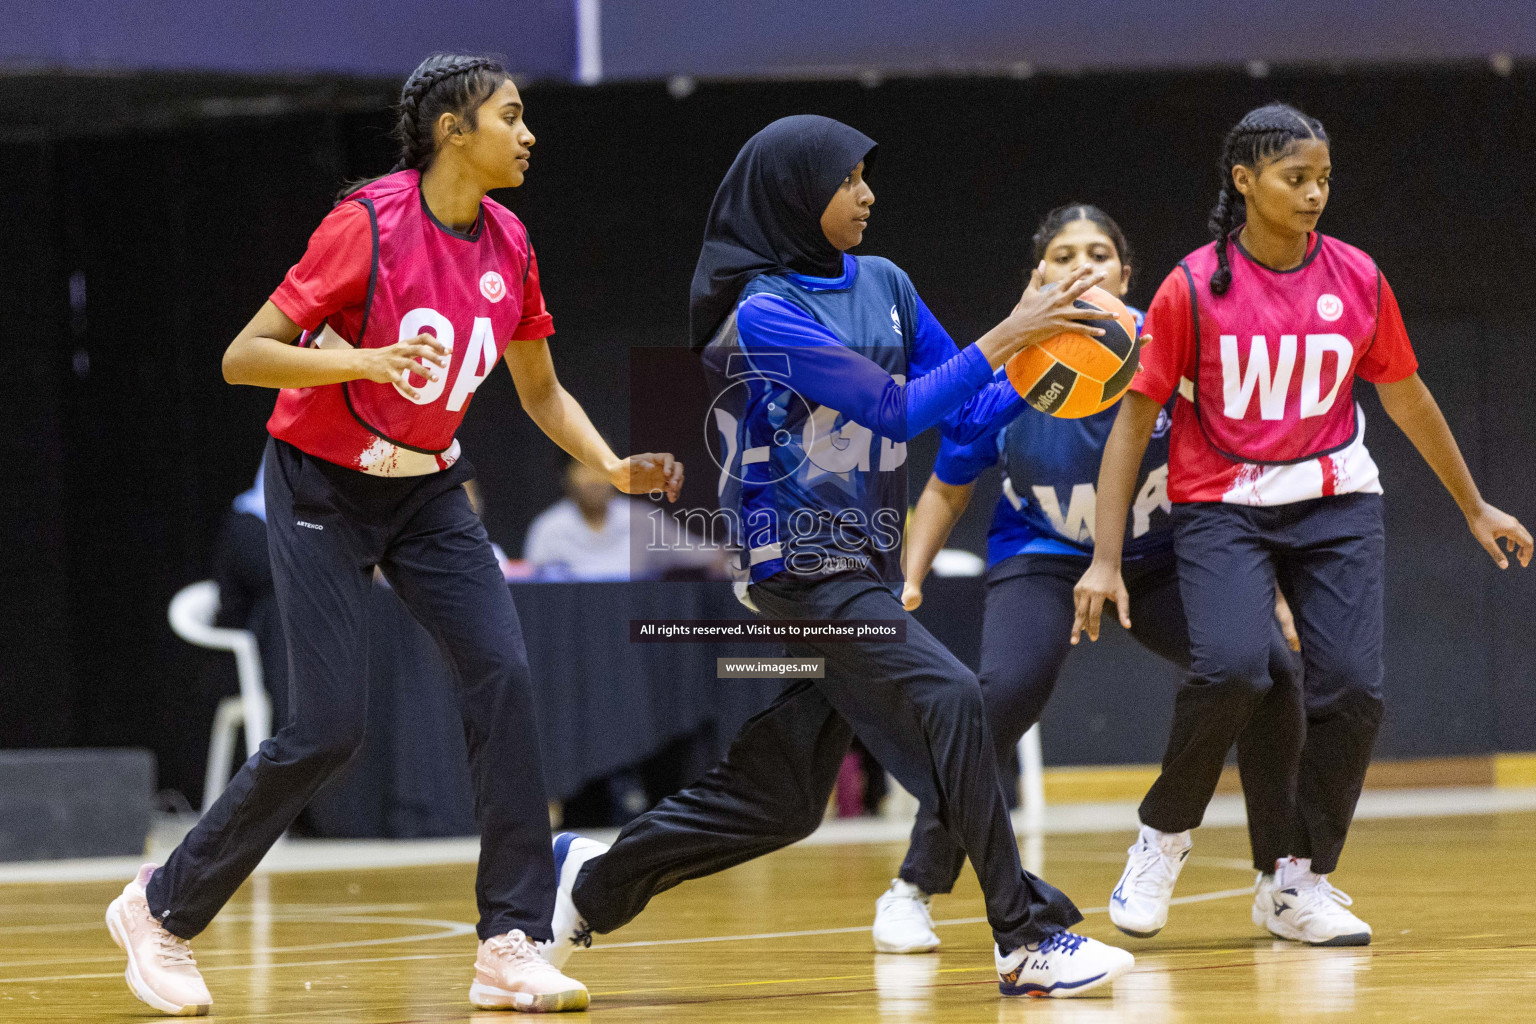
(786, 939)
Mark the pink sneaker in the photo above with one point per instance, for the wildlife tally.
(511, 975)
(161, 971)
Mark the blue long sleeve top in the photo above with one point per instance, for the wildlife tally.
(819, 383)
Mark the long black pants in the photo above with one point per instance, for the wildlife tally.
(327, 528)
(1328, 555)
(916, 708)
(1026, 637)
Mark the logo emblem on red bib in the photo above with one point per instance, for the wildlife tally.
(495, 289)
(1329, 306)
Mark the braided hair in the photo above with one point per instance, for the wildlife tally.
(1053, 222)
(1263, 134)
(444, 83)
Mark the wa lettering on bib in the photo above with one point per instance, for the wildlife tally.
(1276, 354)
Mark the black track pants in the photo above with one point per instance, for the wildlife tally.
(327, 528)
(912, 704)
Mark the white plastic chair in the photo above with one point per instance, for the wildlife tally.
(1032, 779)
(192, 612)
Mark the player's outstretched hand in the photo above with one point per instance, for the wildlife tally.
(1102, 582)
(394, 364)
(911, 595)
(1490, 526)
(648, 473)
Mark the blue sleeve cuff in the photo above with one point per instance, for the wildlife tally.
(961, 464)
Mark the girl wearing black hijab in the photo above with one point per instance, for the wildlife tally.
(824, 365)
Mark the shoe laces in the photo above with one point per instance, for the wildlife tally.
(1321, 898)
(582, 936)
(1332, 892)
(172, 950)
(1065, 942)
(908, 903)
(515, 947)
(1151, 870)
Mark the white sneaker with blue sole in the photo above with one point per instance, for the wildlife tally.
(1062, 966)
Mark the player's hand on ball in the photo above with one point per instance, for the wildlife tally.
(1045, 311)
(648, 473)
(911, 596)
(1102, 582)
(1490, 526)
(394, 364)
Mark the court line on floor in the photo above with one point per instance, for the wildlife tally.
(447, 930)
(989, 981)
(1220, 894)
(293, 855)
(643, 943)
(247, 967)
(287, 912)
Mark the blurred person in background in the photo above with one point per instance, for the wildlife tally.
(587, 535)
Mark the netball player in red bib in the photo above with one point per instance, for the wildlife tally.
(411, 290)
(1262, 334)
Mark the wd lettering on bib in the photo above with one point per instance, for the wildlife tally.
(1276, 354)
(1239, 384)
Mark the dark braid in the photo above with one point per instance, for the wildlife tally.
(443, 83)
(1263, 134)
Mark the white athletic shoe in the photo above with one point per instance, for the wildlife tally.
(511, 975)
(1263, 889)
(161, 971)
(902, 921)
(1305, 907)
(1139, 904)
(571, 930)
(1064, 965)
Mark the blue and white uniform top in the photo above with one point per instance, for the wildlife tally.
(1050, 469)
(818, 384)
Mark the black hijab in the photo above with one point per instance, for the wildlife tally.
(766, 215)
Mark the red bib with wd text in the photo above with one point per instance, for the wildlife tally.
(1276, 355)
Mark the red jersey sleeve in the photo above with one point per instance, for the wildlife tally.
(1170, 323)
(1390, 357)
(333, 275)
(536, 322)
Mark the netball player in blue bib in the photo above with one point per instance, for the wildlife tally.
(1040, 542)
(824, 366)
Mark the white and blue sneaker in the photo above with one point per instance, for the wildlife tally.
(1305, 907)
(1139, 904)
(1063, 965)
(571, 930)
